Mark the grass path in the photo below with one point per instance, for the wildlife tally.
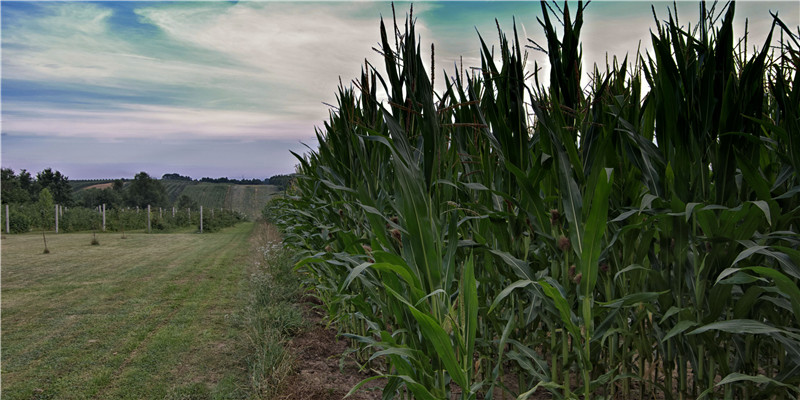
(138, 318)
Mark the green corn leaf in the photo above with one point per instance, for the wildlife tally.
(508, 289)
(542, 384)
(561, 305)
(761, 379)
(633, 267)
(633, 299)
(623, 216)
(593, 232)
(746, 326)
(521, 268)
(647, 201)
(761, 204)
(789, 193)
(689, 209)
(784, 260)
(419, 390)
(355, 272)
(679, 328)
(571, 201)
(670, 312)
(787, 287)
(535, 364)
(398, 351)
(431, 294)
(436, 335)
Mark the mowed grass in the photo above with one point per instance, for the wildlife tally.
(146, 317)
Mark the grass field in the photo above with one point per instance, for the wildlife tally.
(149, 316)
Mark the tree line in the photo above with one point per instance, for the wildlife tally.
(23, 188)
(277, 180)
(32, 203)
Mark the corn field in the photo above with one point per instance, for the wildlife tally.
(517, 234)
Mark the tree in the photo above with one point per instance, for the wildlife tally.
(46, 209)
(281, 181)
(118, 185)
(91, 198)
(144, 191)
(12, 191)
(27, 184)
(175, 177)
(58, 185)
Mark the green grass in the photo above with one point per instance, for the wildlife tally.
(272, 315)
(142, 317)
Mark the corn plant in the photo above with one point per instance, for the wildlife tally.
(633, 238)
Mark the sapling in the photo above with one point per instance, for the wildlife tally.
(95, 242)
(45, 204)
(46, 250)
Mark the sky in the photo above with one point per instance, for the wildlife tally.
(101, 90)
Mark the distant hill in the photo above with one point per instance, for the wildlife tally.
(247, 199)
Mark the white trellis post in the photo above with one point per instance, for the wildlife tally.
(104, 217)
(148, 218)
(201, 219)
(56, 218)
(8, 224)
(160, 212)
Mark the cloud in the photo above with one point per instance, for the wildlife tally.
(203, 60)
(143, 121)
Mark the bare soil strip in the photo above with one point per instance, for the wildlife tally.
(320, 373)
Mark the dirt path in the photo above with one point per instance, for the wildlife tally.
(318, 373)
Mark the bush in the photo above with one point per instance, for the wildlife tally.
(81, 219)
(221, 219)
(20, 221)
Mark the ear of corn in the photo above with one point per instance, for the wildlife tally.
(637, 238)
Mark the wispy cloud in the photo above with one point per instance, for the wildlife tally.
(151, 121)
(231, 68)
